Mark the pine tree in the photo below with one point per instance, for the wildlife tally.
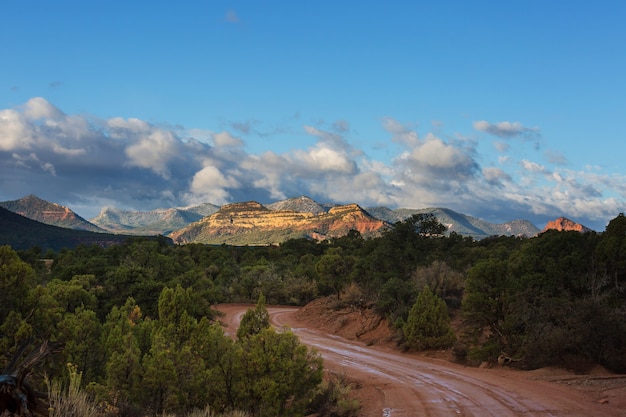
(254, 321)
(428, 324)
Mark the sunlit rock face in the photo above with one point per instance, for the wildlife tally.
(253, 223)
(563, 224)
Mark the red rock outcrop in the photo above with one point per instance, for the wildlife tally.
(563, 224)
(252, 222)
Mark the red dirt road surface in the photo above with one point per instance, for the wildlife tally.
(390, 383)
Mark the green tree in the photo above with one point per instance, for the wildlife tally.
(81, 332)
(123, 369)
(428, 324)
(611, 250)
(77, 292)
(395, 299)
(485, 304)
(219, 357)
(254, 320)
(334, 270)
(16, 278)
(173, 375)
(279, 375)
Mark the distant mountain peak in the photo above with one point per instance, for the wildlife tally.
(563, 224)
(46, 212)
(301, 204)
(157, 221)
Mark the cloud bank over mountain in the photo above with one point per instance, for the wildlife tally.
(87, 162)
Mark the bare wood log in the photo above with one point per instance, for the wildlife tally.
(16, 396)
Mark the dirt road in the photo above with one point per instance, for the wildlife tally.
(394, 384)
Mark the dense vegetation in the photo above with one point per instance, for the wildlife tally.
(136, 318)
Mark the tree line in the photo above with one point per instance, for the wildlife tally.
(136, 318)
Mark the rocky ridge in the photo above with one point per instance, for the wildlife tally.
(301, 204)
(252, 223)
(157, 221)
(460, 223)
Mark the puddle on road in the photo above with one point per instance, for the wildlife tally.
(387, 412)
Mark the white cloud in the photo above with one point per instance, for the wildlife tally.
(132, 163)
(15, 132)
(495, 175)
(436, 162)
(400, 133)
(39, 108)
(226, 139)
(211, 184)
(68, 152)
(120, 128)
(533, 167)
(153, 151)
(505, 129)
(323, 159)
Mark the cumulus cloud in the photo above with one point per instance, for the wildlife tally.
(533, 167)
(39, 108)
(153, 151)
(400, 133)
(84, 161)
(496, 176)
(226, 139)
(506, 129)
(211, 184)
(433, 162)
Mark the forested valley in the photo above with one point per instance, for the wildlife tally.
(133, 327)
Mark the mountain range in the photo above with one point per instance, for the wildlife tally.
(251, 223)
(159, 221)
(22, 233)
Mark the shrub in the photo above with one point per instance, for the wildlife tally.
(428, 324)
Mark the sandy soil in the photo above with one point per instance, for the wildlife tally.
(390, 383)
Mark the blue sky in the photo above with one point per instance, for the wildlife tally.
(500, 110)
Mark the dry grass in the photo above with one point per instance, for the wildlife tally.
(71, 401)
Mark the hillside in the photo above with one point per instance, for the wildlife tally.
(251, 223)
(158, 221)
(20, 232)
(53, 214)
(459, 223)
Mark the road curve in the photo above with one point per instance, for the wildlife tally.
(405, 385)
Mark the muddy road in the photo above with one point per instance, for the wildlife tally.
(394, 384)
